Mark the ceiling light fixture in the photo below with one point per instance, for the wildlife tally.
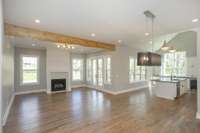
(33, 44)
(65, 46)
(165, 47)
(172, 50)
(149, 58)
(195, 20)
(37, 21)
(58, 46)
(119, 41)
(93, 34)
(146, 34)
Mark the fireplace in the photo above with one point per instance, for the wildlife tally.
(58, 84)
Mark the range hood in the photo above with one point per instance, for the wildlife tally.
(148, 59)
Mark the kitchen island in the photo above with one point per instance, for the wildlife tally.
(170, 88)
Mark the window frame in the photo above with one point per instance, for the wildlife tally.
(89, 69)
(134, 74)
(174, 63)
(21, 70)
(106, 70)
(81, 69)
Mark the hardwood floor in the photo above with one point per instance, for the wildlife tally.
(89, 111)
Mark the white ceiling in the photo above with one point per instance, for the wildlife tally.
(36, 44)
(110, 20)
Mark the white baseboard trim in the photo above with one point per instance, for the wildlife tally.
(55, 92)
(29, 92)
(78, 86)
(102, 90)
(131, 89)
(5, 117)
(198, 115)
(117, 92)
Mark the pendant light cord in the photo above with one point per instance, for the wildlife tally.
(152, 35)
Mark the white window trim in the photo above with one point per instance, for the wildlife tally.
(104, 78)
(134, 74)
(21, 70)
(82, 69)
(163, 66)
(105, 69)
(88, 76)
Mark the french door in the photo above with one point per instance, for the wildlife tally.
(97, 72)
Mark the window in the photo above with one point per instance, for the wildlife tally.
(77, 69)
(107, 62)
(136, 73)
(29, 69)
(94, 71)
(89, 68)
(174, 64)
(99, 70)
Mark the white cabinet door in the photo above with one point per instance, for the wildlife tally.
(183, 87)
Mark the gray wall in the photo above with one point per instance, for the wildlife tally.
(120, 69)
(42, 69)
(79, 56)
(7, 75)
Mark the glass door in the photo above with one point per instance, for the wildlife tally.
(100, 72)
(97, 72)
(94, 72)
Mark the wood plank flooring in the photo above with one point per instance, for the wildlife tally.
(89, 111)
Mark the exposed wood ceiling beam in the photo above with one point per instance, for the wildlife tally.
(13, 30)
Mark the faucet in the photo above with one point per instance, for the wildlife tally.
(171, 75)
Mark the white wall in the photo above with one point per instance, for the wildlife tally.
(1, 43)
(198, 72)
(8, 77)
(192, 67)
(57, 60)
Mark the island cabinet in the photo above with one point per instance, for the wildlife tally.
(170, 88)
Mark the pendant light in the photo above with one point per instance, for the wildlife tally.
(165, 47)
(149, 58)
(172, 50)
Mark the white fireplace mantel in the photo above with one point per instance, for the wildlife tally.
(58, 66)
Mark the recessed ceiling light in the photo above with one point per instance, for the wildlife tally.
(195, 20)
(37, 21)
(146, 34)
(93, 34)
(119, 41)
